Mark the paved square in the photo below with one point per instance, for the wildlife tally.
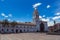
(29, 36)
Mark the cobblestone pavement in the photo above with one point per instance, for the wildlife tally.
(29, 36)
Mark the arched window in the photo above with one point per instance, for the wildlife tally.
(2, 30)
(16, 30)
(12, 30)
(7, 29)
(20, 31)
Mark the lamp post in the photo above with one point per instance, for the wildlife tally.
(54, 22)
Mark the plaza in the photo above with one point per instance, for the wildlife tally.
(29, 36)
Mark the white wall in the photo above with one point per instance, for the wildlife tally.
(46, 27)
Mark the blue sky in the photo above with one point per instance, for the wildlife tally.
(22, 10)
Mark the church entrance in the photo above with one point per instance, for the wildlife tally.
(41, 27)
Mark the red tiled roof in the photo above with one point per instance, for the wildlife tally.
(57, 24)
(32, 24)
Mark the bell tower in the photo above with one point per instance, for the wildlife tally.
(35, 16)
(36, 19)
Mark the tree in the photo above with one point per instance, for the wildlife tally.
(5, 22)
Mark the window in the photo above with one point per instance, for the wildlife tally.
(2, 29)
(20, 26)
(24, 26)
(16, 26)
(27, 26)
(12, 30)
(7, 29)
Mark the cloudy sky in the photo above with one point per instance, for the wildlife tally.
(22, 10)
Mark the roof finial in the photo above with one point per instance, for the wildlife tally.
(35, 8)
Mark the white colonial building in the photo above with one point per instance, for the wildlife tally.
(36, 26)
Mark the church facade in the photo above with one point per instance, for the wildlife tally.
(36, 26)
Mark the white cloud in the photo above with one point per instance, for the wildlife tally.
(56, 17)
(44, 19)
(50, 23)
(48, 6)
(57, 13)
(17, 21)
(43, 15)
(36, 5)
(40, 16)
(49, 20)
(3, 14)
(9, 19)
(10, 15)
